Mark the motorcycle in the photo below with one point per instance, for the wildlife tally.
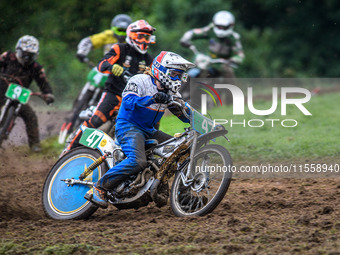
(17, 95)
(188, 156)
(88, 96)
(108, 127)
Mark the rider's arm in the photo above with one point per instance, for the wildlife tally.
(84, 47)
(178, 113)
(103, 38)
(95, 41)
(237, 54)
(193, 34)
(110, 58)
(132, 101)
(41, 80)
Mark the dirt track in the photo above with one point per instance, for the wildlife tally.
(257, 216)
(275, 216)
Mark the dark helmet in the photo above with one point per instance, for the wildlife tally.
(27, 49)
(119, 25)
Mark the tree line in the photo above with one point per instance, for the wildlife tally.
(291, 38)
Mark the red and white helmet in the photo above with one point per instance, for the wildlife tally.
(139, 35)
(170, 70)
(223, 23)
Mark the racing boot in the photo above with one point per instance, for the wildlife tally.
(96, 195)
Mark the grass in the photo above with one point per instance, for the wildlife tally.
(314, 137)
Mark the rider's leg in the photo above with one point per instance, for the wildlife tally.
(160, 136)
(132, 141)
(32, 128)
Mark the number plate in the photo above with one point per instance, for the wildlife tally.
(19, 93)
(97, 78)
(91, 137)
(201, 123)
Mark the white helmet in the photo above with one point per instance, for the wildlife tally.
(223, 23)
(27, 49)
(170, 70)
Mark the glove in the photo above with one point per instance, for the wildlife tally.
(49, 98)
(161, 98)
(117, 70)
(82, 58)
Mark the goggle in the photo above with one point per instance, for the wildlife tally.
(119, 31)
(28, 56)
(177, 75)
(143, 37)
(223, 27)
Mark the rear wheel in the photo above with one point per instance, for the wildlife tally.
(210, 179)
(62, 201)
(6, 123)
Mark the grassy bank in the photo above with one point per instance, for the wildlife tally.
(314, 136)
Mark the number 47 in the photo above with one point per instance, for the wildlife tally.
(91, 138)
(205, 126)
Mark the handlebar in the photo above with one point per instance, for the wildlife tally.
(10, 78)
(41, 95)
(202, 60)
(182, 105)
(89, 62)
(126, 76)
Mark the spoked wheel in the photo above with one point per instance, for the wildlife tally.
(207, 184)
(62, 201)
(6, 122)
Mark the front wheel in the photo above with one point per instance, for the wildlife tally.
(207, 184)
(62, 201)
(6, 122)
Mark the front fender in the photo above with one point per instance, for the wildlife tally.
(201, 140)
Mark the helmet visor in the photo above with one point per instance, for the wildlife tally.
(28, 57)
(223, 27)
(177, 75)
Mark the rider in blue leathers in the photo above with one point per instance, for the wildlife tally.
(145, 99)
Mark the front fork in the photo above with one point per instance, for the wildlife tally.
(94, 165)
(5, 108)
(87, 172)
(186, 177)
(94, 97)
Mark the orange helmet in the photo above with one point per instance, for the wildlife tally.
(139, 35)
